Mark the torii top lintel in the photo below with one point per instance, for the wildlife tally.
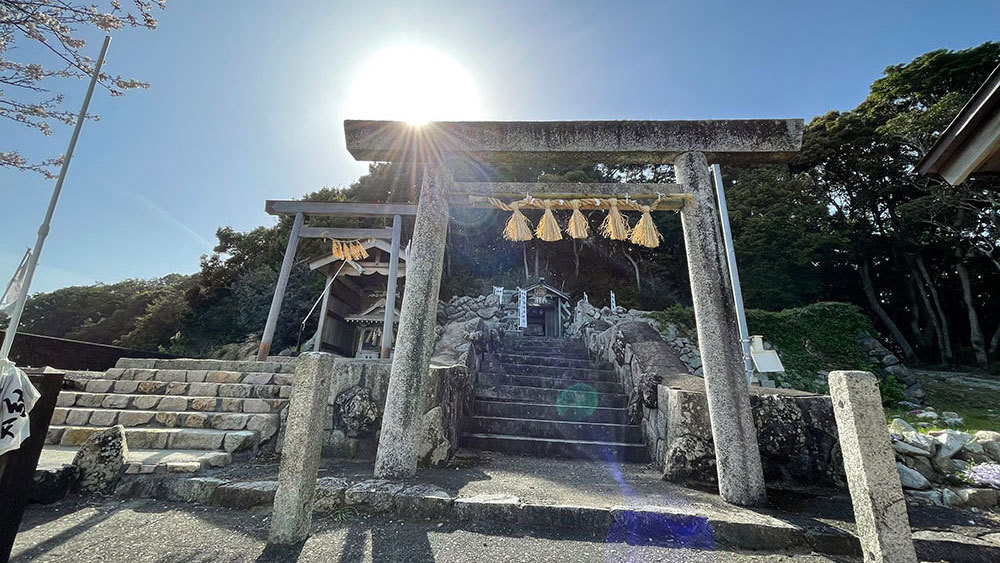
(724, 141)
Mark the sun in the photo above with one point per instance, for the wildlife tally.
(413, 83)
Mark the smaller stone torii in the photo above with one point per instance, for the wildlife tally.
(299, 231)
(689, 145)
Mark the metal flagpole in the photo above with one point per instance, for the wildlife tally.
(43, 231)
(734, 274)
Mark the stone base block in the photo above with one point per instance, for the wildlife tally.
(797, 436)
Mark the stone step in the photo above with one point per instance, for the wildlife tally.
(547, 447)
(549, 371)
(492, 378)
(197, 376)
(265, 424)
(231, 390)
(173, 403)
(161, 438)
(573, 397)
(564, 430)
(545, 360)
(548, 340)
(508, 409)
(272, 365)
(544, 343)
(555, 354)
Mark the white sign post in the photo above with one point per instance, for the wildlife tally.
(522, 308)
(614, 307)
(498, 291)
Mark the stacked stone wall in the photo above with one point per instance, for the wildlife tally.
(468, 308)
(358, 393)
(796, 431)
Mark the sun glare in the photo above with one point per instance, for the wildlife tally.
(415, 84)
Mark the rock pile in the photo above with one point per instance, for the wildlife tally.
(935, 466)
(889, 364)
(587, 316)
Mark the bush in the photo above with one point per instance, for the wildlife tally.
(821, 337)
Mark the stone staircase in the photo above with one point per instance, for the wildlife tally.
(208, 409)
(546, 397)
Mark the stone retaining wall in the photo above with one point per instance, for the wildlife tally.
(358, 390)
(796, 431)
(466, 308)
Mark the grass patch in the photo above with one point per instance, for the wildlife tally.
(818, 337)
(978, 407)
(681, 317)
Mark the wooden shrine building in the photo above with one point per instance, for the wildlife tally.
(352, 315)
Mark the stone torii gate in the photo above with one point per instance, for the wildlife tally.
(689, 145)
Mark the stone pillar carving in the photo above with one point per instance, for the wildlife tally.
(300, 452)
(741, 476)
(401, 421)
(876, 493)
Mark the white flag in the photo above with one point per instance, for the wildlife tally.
(17, 397)
(9, 299)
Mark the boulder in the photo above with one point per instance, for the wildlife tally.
(978, 498)
(906, 449)
(101, 460)
(950, 442)
(900, 426)
(990, 441)
(911, 478)
(925, 467)
(922, 441)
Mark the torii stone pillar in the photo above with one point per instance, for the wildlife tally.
(741, 476)
(401, 421)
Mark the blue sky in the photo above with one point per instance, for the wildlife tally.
(247, 99)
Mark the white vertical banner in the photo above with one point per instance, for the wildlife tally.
(522, 308)
(614, 307)
(9, 298)
(17, 397)
(498, 291)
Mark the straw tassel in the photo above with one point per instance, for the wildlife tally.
(614, 226)
(578, 226)
(645, 232)
(337, 250)
(517, 228)
(548, 228)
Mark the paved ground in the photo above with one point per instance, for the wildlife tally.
(148, 531)
(609, 484)
(144, 530)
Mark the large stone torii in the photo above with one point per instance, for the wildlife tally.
(689, 145)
